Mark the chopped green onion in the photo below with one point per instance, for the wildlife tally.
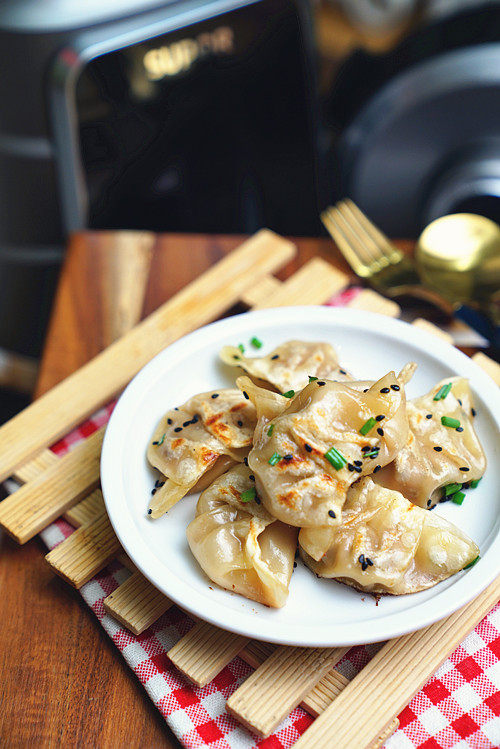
(270, 430)
(368, 426)
(335, 458)
(372, 453)
(289, 394)
(451, 489)
(248, 495)
(442, 392)
(275, 458)
(241, 348)
(474, 483)
(471, 564)
(312, 379)
(162, 439)
(458, 498)
(256, 342)
(447, 421)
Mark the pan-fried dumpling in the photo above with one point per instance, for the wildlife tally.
(386, 544)
(191, 440)
(305, 457)
(437, 455)
(238, 544)
(289, 366)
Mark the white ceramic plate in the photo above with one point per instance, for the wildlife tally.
(318, 612)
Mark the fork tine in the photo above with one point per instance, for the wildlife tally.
(386, 247)
(376, 251)
(356, 263)
(363, 248)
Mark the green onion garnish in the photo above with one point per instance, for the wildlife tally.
(372, 453)
(248, 495)
(289, 394)
(458, 498)
(442, 392)
(447, 421)
(270, 430)
(367, 426)
(474, 483)
(241, 348)
(312, 379)
(451, 489)
(335, 458)
(471, 564)
(256, 342)
(275, 458)
(162, 439)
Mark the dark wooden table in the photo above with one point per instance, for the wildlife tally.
(63, 682)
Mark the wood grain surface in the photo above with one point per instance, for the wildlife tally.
(63, 681)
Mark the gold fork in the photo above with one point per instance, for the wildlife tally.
(372, 256)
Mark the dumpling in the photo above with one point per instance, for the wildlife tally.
(238, 544)
(437, 454)
(196, 438)
(289, 366)
(307, 454)
(386, 544)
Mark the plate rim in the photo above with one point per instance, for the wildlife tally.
(478, 578)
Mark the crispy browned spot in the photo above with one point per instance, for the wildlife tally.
(177, 442)
(237, 407)
(208, 456)
(326, 477)
(295, 461)
(213, 419)
(289, 499)
(236, 494)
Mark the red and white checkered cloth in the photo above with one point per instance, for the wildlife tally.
(459, 707)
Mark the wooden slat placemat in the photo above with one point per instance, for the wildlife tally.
(264, 698)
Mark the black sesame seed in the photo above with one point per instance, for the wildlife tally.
(187, 423)
(459, 429)
(321, 383)
(194, 419)
(358, 463)
(429, 502)
(365, 390)
(350, 467)
(380, 431)
(245, 461)
(395, 387)
(294, 565)
(149, 512)
(342, 371)
(308, 448)
(366, 448)
(276, 356)
(215, 395)
(178, 429)
(428, 416)
(288, 457)
(460, 401)
(169, 421)
(377, 468)
(176, 409)
(438, 449)
(332, 514)
(432, 507)
(385, 390)
(380, 417)
(245, 395)
(153, 491)
(464, 468)
(357, 469)
(369, 561)
(361, 558)
(240, 423)
(251, 477)
(155, 442)
(235, 357)
(256, 499)
(473, 411)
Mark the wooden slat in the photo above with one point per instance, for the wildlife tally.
(36, 466)
(429, 327)
(384, 734)
(318, 698)
(391, 678)
(136, 603)
(80, 394)
(259, 293)
(371, 301)
(315, 283)
(85, 552)
(279, 685)
(204, 651)
(87, 510)
(492, 368)
(36, 504)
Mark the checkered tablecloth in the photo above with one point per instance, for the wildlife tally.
(459, 706)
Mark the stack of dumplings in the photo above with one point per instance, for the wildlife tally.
(300, 458)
